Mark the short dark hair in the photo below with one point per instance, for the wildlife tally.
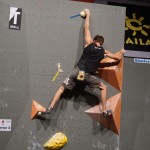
(99, 38)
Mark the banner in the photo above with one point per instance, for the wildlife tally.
(137, 28)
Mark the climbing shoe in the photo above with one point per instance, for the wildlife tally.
(45, 115)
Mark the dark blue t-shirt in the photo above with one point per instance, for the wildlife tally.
(91, 57)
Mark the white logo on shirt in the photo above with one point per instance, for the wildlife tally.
(96, 47)
(66, 81)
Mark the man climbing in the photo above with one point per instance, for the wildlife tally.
(85, 69)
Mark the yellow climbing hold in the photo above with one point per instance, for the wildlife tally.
(57, 141)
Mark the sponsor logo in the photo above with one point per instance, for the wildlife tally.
(137, 26)
(138, 60)
(5, 124)
(15, 18)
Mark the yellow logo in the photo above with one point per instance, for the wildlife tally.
(134, 21)
(136, 25)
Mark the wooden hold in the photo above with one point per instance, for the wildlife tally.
(111, 122)
(112, 72)
(36, 107)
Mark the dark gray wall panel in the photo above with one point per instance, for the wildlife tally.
(29, 60)
(135, 122)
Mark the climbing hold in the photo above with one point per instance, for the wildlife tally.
(109, 66)
(36, 107)
(111, 122)
(57, 141)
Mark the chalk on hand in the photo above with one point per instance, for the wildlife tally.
(82, 14)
